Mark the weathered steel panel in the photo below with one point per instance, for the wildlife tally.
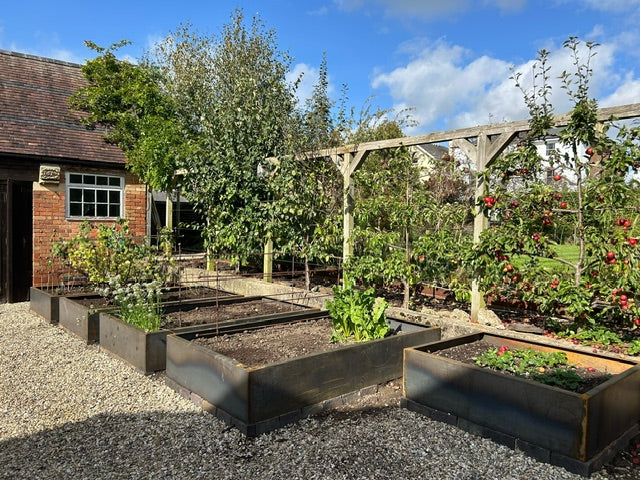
(256, 396)
(211, 375)
(44, 303)
(80, 319)
(293, 384)
(578, 426)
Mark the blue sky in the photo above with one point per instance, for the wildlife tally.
(449, 61)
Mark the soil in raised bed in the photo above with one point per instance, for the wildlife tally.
(190, 293)
(274, 343)
(221, 313)
(468, 352)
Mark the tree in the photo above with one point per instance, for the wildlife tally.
(127, 100)
(518, 257)
(307, 189)
(233, 94)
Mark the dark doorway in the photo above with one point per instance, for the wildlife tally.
(16, 200)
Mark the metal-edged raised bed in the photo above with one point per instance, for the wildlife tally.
(81, 314)
(146, 351)
(261, 398)
(45, 301)
(579, 432)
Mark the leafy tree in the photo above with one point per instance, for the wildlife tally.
(127, 100)
(307, 189)
(592, 191)
(232, 91)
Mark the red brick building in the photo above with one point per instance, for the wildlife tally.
(54, 173)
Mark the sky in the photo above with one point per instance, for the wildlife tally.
(449, 62)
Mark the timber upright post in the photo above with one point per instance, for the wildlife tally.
(348, 204)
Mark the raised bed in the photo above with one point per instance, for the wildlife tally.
(146, 351)
(261, 398)
(81, 314)
(45, 301)
(579, 432)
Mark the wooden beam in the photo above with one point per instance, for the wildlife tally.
(604, 114)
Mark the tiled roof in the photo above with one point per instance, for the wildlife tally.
(35, 120)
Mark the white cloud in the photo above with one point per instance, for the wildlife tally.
(628, 92)
(450, 88)
(308, 76)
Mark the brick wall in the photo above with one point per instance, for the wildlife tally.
(51, 225)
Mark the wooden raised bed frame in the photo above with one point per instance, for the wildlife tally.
(579, 432)
(260, 399)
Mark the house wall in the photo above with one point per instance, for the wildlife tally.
(50, 223)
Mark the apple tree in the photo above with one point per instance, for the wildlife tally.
(593, 277)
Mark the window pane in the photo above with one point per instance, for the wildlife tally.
(114, 181)
(101, 209)
(101, 196)
(90, 179)
(89, 210)
(114, 197)
(89, 196)
(75, 178)
(75, 195)
(75, 209)
(100, 180)
(114, 210)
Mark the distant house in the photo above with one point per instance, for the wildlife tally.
(427, 156)
(54, 172)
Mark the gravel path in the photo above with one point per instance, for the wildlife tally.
(70, 411)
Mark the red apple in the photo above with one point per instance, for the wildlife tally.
(633, 241)
(563, 205)
(557, 177)
(611, 255)
(636, 322)
(589, 151)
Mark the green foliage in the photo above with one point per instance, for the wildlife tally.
(550, 368)
(138, 303)
(233, 94)
(101, 251)
(410, 219)
(128, 100)
(590, 204)
(357, 314)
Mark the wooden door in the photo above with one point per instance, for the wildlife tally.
(19, 240)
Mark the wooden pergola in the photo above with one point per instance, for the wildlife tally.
(482, 144)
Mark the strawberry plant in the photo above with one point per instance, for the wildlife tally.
(550, 368)
(589, 191)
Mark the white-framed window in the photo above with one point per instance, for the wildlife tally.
(550, 148)
(91, 195)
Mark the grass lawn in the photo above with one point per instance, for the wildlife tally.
(568, 252)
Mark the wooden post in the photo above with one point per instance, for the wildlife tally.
(168, 218)
(480, 222)
(267, 263)
(348, 204)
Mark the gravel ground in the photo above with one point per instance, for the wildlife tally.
(70, 411)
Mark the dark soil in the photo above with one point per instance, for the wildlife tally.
(221, 313)
(275, 343)
(172, 295)
(191, 293)
(468, 352)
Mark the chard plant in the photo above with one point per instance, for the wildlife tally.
(357, 314)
